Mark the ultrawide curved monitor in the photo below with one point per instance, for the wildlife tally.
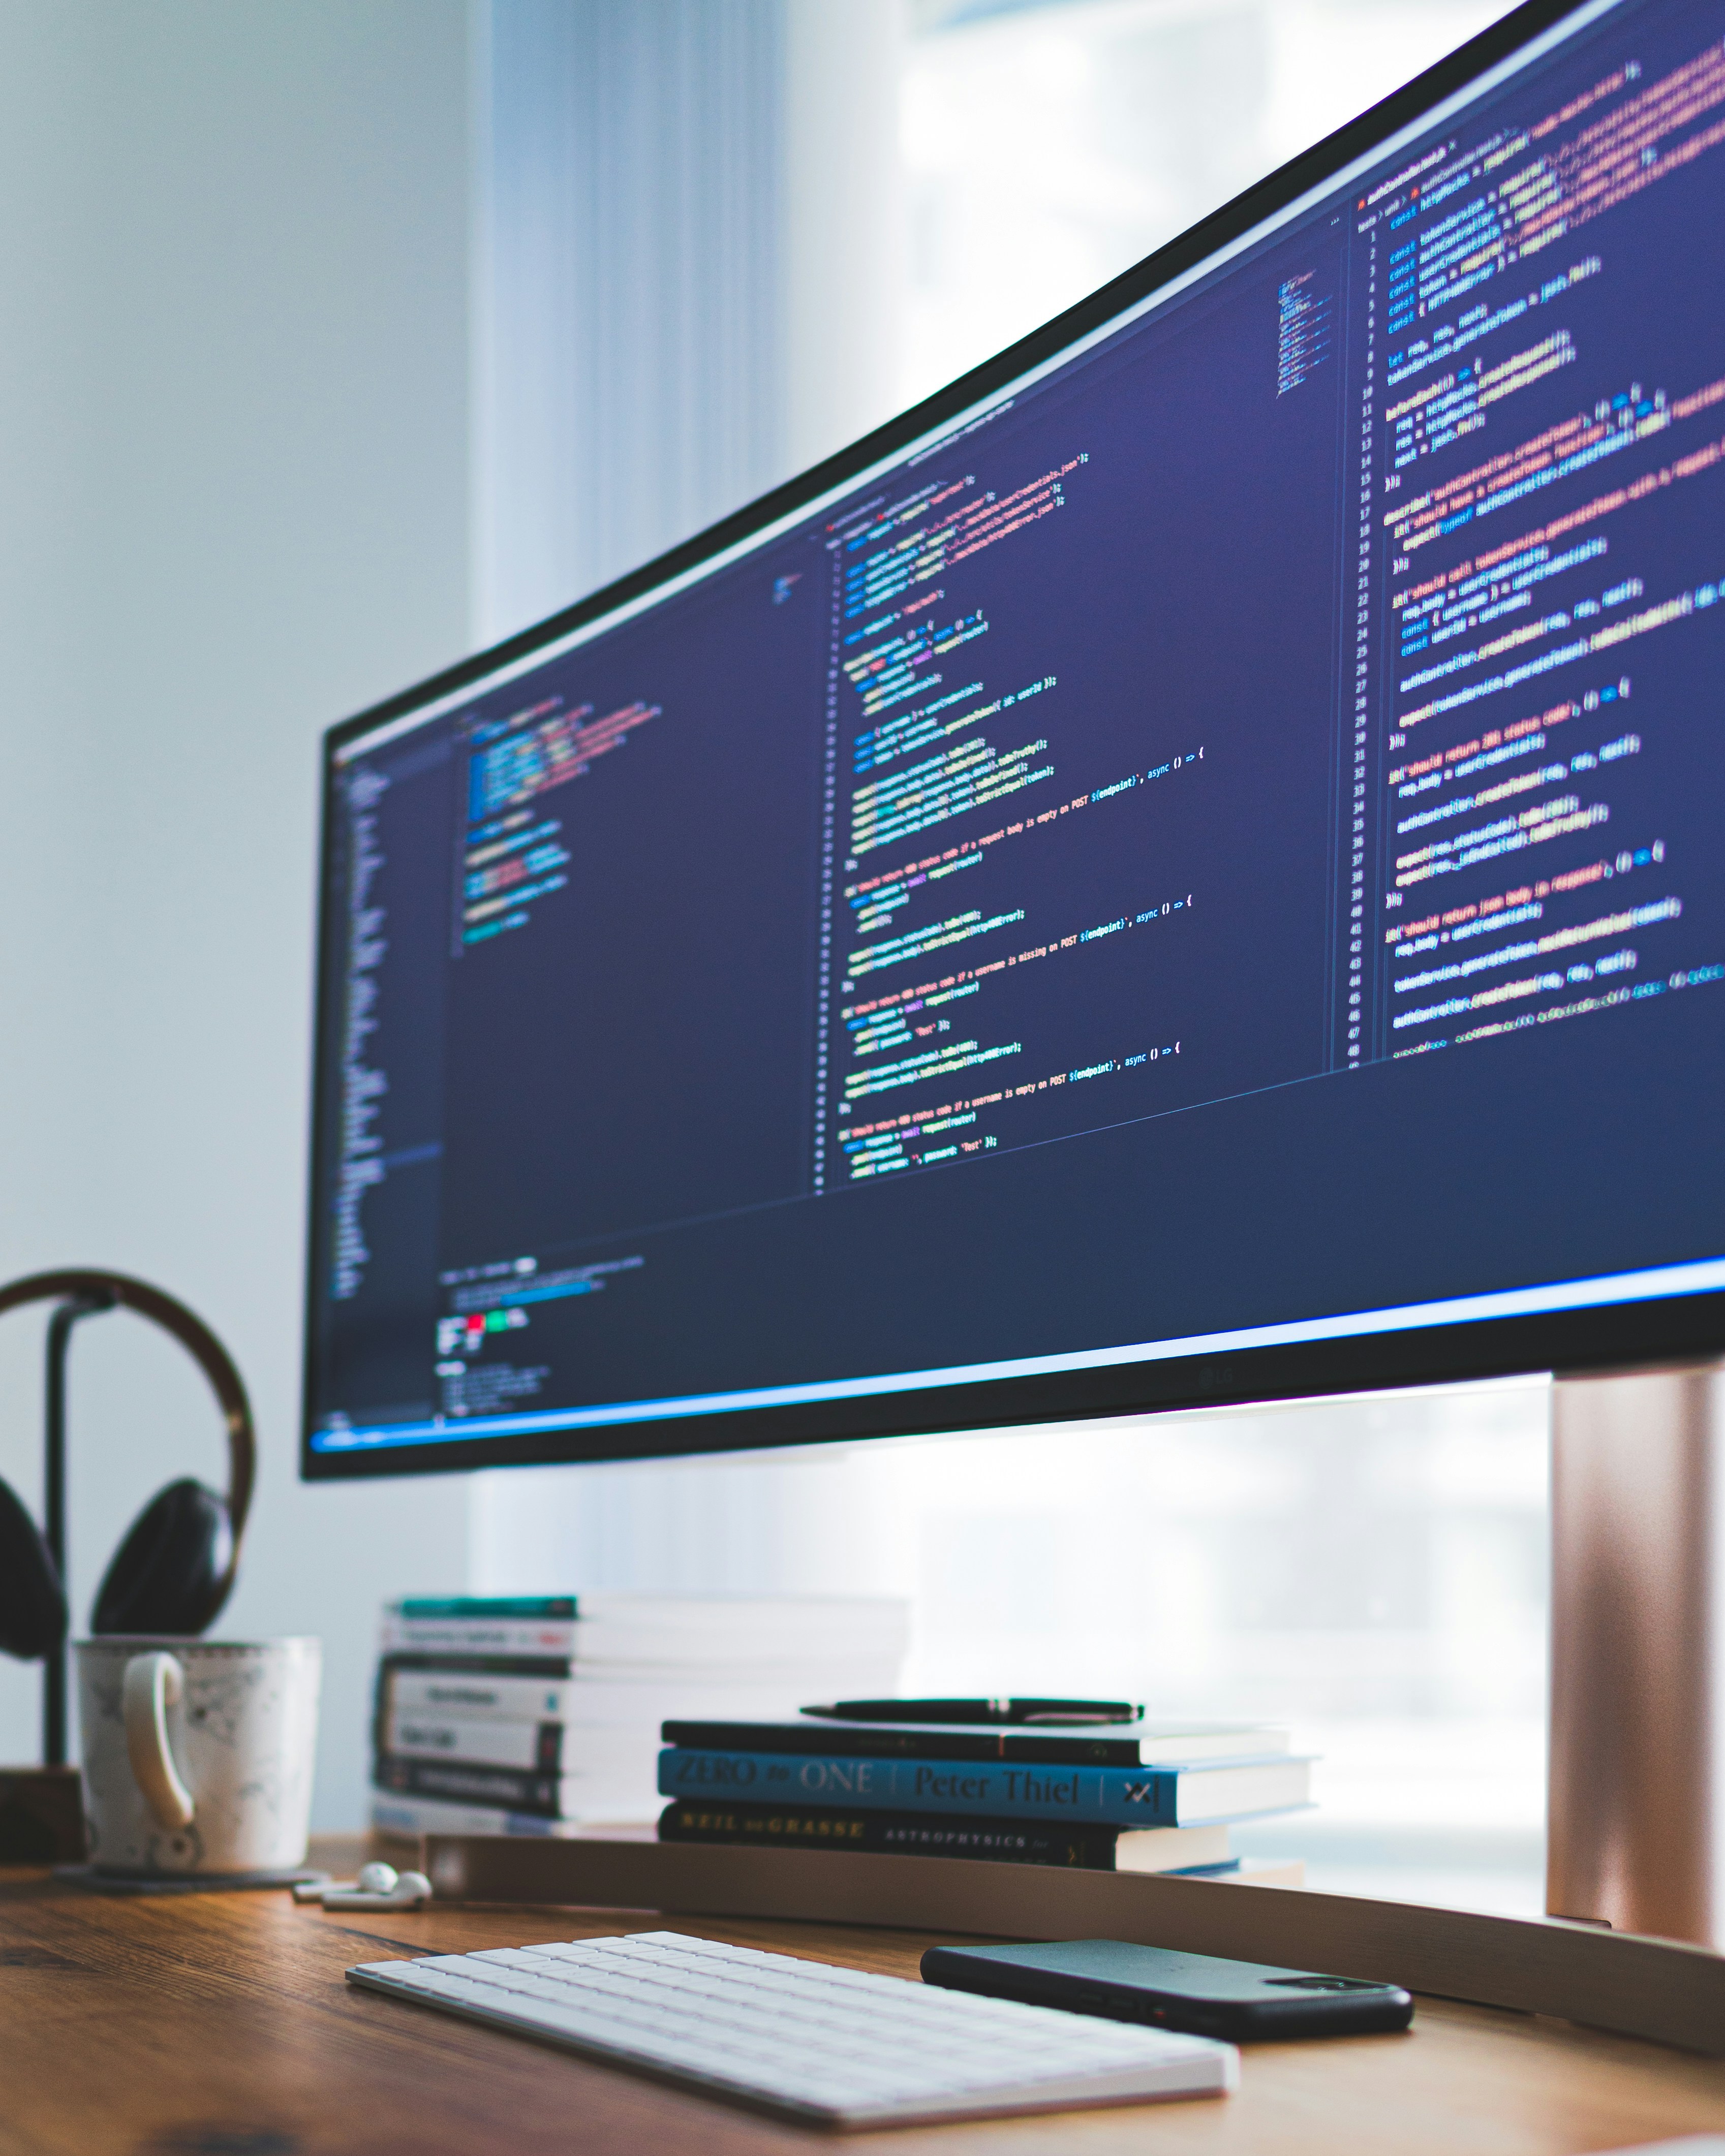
(1187, 868)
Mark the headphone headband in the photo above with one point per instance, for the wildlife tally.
(195, 1337)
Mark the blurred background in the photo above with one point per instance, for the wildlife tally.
(343, 338)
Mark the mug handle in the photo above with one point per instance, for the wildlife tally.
(152, 1684)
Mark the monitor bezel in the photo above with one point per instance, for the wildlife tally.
(1656, 1330)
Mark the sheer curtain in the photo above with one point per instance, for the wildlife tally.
(687, 281)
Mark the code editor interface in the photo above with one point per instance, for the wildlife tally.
(1227, 836)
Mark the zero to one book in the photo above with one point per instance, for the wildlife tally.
(1104, 1796)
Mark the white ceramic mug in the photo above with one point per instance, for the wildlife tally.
(198, 1753)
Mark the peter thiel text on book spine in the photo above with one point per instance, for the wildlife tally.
(1117, 1796)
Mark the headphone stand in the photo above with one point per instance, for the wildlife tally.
(65, 1316)
(42, 1807)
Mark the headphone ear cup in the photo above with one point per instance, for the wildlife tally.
(166, 1575)
(32, 1603)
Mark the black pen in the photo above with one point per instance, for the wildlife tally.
(985, 1713)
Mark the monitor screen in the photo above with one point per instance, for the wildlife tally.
(1189, 868)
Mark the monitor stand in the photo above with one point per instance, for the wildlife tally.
(1635, 1816)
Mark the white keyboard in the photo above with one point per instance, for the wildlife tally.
(835, 2046)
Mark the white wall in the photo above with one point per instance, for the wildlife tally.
(234, 507)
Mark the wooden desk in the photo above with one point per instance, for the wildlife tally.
(220, 2026)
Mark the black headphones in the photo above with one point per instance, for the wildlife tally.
(176, 1567)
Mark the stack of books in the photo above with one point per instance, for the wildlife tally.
(534, 1715)
(1136, 1796)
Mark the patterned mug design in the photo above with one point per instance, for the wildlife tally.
(198, 1753)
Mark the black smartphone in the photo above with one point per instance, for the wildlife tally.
(1242, 2001)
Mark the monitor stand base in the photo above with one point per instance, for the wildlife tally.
(1635, 1837)
(1661, 1988)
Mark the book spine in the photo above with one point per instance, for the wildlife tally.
(481, 1698)
(897, 1834)
(507, 1788)
(413, 1816)
(447, 1662)
(470, 1607)
(1099, 1796)
(478, 1636)
(534, 1746)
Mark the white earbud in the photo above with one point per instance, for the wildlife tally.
(379, 1885)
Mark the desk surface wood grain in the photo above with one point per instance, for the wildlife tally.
(221, 2026)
